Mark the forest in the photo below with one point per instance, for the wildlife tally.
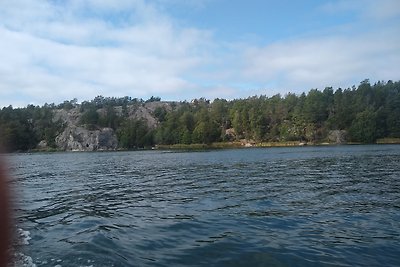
(364, 113)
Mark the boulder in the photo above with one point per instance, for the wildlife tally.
(42, 145)
(230, 134)
(337, 136)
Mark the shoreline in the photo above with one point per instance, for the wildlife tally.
(240, 145)
(225, 145)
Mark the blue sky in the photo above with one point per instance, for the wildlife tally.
(56, 50)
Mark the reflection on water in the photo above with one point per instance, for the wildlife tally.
(309, 206)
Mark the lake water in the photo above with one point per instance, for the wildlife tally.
(300, 206)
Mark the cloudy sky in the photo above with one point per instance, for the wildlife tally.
(57, 50)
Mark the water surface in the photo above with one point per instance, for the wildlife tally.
(308, 206)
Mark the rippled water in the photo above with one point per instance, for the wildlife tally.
(308, 206)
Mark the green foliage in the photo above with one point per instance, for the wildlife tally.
(68, 105)
(153, 99)
(134, 134)
(21, 129)
(160, 113)
(367, 112)
(315, 107)
(90, 118)
(109, 118)
(363, 128)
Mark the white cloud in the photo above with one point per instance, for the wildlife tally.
(316, 62)
(46, 58)
(57, 50)
(369, 9)
(367, 48)
(196, 4)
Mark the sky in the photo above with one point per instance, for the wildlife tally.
(56, 50)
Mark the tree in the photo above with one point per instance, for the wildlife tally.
(108, 119)
(363, 128)
(90, 117)
(160, 113)
(367, 112)
(315, 107)
(134, 134)
(153, 99)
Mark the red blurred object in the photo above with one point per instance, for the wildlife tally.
(4, 217)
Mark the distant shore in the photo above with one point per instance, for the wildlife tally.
(228, 145)
(241, 144)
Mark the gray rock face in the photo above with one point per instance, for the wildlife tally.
(145, 112)
(338, 136)
(70, 117)
(42, 145)
(80, 139)
(76, 137)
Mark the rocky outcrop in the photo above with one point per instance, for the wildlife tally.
(42, 145)
(69, 117)
(79, 137)
(230, 134)
(337, 136)
(75, 138)
(146, 112)
(143, 113)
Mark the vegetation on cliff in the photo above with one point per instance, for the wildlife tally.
(364, 113)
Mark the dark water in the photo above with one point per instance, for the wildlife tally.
(309, 206)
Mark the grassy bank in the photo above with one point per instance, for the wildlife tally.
(227, 145)
(388, 141)
(236, 144)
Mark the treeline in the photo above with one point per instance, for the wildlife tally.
(21, 129)
(365, 113)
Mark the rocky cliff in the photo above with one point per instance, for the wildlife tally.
(77, 137)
